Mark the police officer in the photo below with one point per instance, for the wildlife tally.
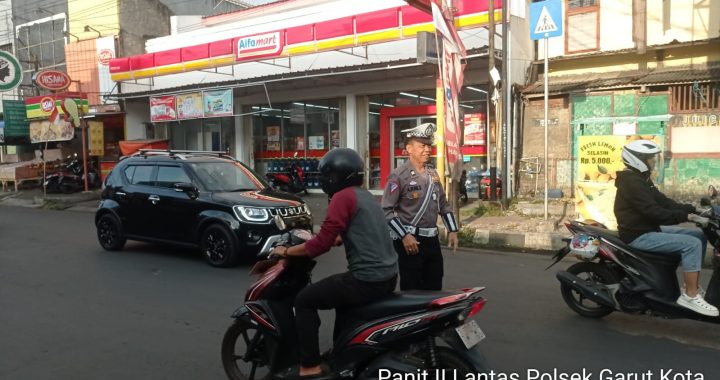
(412, 200)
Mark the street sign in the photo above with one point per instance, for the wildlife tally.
(546, 19)
(10, 71)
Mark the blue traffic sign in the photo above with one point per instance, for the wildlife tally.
(546, 19)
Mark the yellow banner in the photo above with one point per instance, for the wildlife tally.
(97, 140)
(599, 160)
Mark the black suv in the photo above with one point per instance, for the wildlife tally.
(201, 199)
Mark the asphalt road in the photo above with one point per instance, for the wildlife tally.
(69, 310)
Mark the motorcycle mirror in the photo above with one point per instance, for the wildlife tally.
(705, 201)
(280, 223)
(712, 192)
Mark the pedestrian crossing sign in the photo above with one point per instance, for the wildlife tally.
(546, 19)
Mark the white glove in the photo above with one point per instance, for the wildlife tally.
(703, 222)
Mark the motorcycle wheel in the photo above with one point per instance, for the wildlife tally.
(110, 233)
(447, 360)
(239, 363)
(592, 273)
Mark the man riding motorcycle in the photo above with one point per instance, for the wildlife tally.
(355, 219)
(645, 218)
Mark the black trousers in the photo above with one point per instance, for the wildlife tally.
(340, 290)
(424, 270)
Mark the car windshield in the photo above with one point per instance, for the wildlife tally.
(226, 176)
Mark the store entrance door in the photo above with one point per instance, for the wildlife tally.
(398, 153)
(392, 121)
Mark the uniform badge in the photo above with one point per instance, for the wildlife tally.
(412, 172)
(413, 183)
(415, 195)
(434, 196)
(393, 186)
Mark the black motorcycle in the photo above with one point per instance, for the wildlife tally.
(70, 178)
(397, 334)
(621, 278)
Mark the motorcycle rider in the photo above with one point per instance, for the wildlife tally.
(355, 219)
(645, 218)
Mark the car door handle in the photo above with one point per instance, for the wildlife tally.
(154, 199)
(120, 193)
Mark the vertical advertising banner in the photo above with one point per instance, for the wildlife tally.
(96, 138)
(162, 108)
(218, 103)
(189, 106)
(451, 72)
(105, 50)
(474, 129)
(599, 161)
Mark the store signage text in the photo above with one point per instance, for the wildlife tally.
(698, 120)
(47, 104)
(104, 56)
(53, 80)
(259, 45)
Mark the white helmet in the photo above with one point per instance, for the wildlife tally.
(635, 154)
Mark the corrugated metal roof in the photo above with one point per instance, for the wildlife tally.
(624, 79)
(681, 76)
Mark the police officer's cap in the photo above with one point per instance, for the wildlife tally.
(425, 133)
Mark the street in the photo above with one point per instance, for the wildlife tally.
(70, 310)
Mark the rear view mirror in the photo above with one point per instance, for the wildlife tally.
(712, 192)
(188, 188)
(705, 202)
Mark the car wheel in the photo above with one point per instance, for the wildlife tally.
(110, 232)
(218, 246)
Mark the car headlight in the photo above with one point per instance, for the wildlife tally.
(252, 214)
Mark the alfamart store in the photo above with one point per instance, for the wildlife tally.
(291, 80)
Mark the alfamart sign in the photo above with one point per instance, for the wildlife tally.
(258, 46)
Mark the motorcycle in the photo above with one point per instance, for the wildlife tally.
(617, 277)
(293, 181)
(70, 178)
(396, 334)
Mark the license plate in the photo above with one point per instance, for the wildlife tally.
(470, 333)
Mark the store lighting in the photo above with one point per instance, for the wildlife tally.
(476, 89)
(316, 106)
(374, 113)
(466, 106)
(417, 96)
(381, 104)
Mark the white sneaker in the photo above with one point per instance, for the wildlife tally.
(698, 305)
(701, 291)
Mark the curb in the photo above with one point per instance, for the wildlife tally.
(541, 241)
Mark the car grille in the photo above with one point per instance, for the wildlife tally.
(289, 211)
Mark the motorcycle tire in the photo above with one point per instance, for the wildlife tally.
(218, 246)
(110, 233)
(239, 364)
(588, 271)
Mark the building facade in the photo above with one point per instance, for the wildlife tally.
(628, 69)
(291, 80)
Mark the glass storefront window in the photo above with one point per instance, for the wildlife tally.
(317, 123)
(294, 129)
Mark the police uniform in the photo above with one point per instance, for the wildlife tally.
(411, 202)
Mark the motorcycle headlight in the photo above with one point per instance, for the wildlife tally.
(252, 214)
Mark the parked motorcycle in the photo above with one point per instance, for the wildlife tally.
(616, 277)
(70, 178)
(398, 333)
(292, 181)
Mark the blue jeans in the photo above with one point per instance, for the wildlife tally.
(690, 243)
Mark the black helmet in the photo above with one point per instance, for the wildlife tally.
(340, 168)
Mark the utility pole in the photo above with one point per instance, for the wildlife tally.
(506, 91)
(491, 90)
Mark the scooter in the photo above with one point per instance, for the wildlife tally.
(396, 334)
(70, 178)
(292, 182)
(617, 277)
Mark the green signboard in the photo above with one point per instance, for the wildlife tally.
(10, 71)
(16, 123)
